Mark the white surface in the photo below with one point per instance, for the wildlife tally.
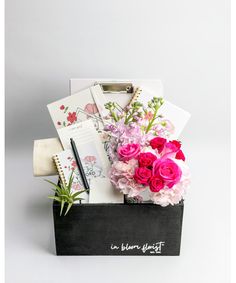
(185, 44)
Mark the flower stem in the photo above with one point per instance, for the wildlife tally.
(152, 121)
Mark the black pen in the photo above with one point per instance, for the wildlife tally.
(79, 164)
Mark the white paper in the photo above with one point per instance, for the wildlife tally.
(102, 191)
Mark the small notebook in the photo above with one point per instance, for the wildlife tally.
(87, 140)
(78, 107)
(66, 164)
(175, 114)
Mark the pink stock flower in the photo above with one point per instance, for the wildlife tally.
(148, 116)
(128, 151)
(168, 171)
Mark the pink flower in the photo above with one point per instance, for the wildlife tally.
(128, 151)
(146, 159)
(73, 163)
(173, 146)
(72, 117)
(62, 107)
(180, 155)
(121, 176)
(91, 108)
(148, 115)
(76, 187)
(158, 143)
(142, 175)
(90, 158)
(168, 171)
(156, 184)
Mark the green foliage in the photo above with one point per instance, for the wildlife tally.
(64, 194)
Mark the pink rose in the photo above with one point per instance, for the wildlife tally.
(142, 175)
(168, 171)
(158, 143)
(180, 155)
(173, 146)
(146, 159)
(156, 184)
(128, 151)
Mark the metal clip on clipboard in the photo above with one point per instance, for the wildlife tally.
(116, 87)
(119, 92)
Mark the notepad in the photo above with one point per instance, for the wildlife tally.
(66, 165)
(78, 107)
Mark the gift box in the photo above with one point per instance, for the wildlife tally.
(119, 229)
(122, 171)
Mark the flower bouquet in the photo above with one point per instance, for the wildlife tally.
(146, 164)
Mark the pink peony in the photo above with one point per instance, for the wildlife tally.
(167, 170)
(128, 151)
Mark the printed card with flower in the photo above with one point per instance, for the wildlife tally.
(78, 107)
(66, 165)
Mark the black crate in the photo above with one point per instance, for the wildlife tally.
(118, 229)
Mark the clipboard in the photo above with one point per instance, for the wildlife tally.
(124, 87)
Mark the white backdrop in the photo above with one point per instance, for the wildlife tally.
(184, 43)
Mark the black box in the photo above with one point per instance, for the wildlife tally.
(118, 229)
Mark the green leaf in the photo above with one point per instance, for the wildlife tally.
(70, 181)
(68, 208)
(62, 205)
(55, 198)
(55, 185)
(78, 193)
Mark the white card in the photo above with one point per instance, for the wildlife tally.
(77, 108)
(177, 116)
(102, 191)
(87, 141)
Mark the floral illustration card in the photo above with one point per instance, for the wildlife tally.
(78, 107)
(86, 138)
(66, 164)
(92, 165)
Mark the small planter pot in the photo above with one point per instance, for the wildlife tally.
(118, 229)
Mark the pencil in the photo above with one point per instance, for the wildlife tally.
(79, 164)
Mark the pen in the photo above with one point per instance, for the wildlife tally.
(79, 164)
